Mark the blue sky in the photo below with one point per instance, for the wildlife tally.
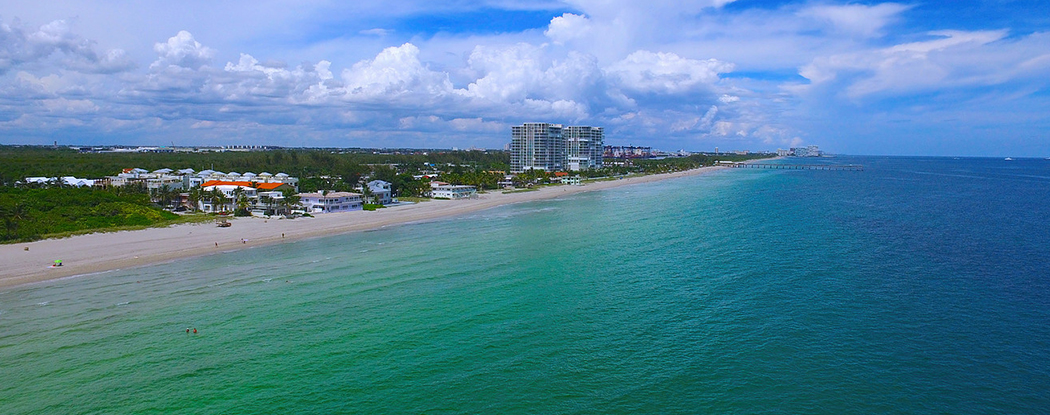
(863, 77)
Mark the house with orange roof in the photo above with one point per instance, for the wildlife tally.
(250, 190)
(262, 187)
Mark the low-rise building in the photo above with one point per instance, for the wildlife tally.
(442, 190)
(64, 180)
(228, 201)
(263, 187)
(380, 192)
(330, 202)
(571, 180)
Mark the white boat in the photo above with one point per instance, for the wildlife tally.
(1008, 159)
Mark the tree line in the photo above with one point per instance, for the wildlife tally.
(31, 213)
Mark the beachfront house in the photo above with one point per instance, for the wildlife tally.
(229, 193)
(327, 202)
(380, 192)
(270, 203)
(442, 190)
(261, 197)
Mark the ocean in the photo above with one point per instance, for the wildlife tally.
(918, 285)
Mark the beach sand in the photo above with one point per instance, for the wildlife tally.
(106, 251)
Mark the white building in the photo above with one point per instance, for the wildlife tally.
(571, 180)
(331, 202)
(187, 178)
(380, 191)
(230, 193)
(584, 147)
(554, 147)
(65, 180)
(537, 146)
(449, 191)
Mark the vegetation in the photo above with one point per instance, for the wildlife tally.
(33, 213)
(332, 169)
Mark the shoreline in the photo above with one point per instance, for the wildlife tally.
(108, 251)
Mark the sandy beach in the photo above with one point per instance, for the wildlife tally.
(106, 251)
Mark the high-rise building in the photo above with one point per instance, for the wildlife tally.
(537, 146)
(552, 147)
(583, 147)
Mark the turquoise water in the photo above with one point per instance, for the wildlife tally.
(915, 286)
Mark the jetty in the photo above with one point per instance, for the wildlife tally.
(838, 167)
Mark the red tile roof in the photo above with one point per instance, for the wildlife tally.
(260, 186)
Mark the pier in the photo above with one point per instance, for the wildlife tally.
(839, 167)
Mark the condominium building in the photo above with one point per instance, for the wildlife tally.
(553, 147)
(583, 147)
(320, 202)
(537, 146)
(442, 190)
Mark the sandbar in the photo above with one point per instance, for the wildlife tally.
(107, 251)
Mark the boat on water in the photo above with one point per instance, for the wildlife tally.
(1008, 159)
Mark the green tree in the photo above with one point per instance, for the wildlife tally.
(219, 198)
(290, 199)
(241, 200)
(195, 196)
(12, 216)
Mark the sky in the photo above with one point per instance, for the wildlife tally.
(959, 78)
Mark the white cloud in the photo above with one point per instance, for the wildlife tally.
(376, 32)
(507, 74)
(568, 27)
(465, 125)
(656, 70)
(63, 106)
(952, 59)
(709, 116)
(394, 72)
(856, 19)
(727, 99)
(55, 43)
(254, 80)
(666, 73)
(182, 50)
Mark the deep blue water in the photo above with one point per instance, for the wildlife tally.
(919, 285)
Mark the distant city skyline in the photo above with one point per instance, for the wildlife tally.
(965, 78)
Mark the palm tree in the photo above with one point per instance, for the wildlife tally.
(195, 196)
(366, 193)
(242, 201)
(290, 199)
(164, 195)
(12, 216)
(218, 198)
